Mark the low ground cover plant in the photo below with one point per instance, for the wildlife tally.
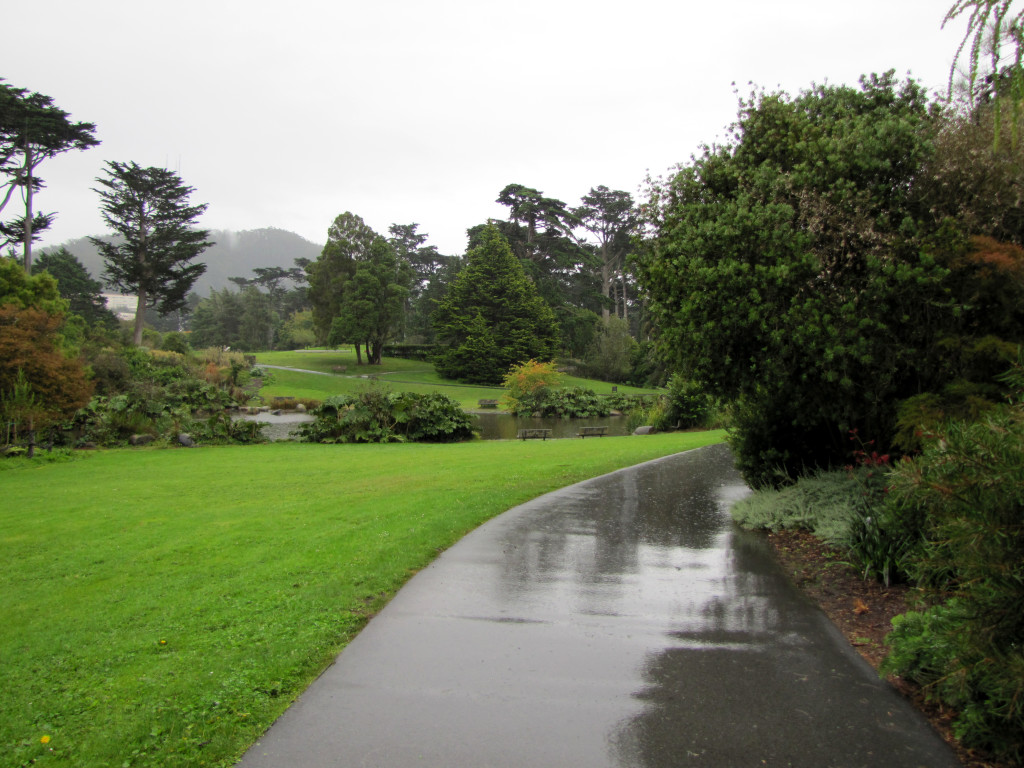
(157, 614)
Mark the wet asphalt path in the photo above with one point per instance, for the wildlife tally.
(623, 621)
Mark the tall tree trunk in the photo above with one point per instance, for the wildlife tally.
(625, 311)
(140, 318)
(606, 283)
(28, 210)
(359, 354)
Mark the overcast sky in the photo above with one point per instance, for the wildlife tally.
(288, 114)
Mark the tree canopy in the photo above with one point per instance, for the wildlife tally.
(612, 218)
(372, 303)
(348, 241)
(790, 270)
(492, 317)
(32, 129)
(153, 257)
(83, 294)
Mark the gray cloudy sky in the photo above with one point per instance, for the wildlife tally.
(287, 114)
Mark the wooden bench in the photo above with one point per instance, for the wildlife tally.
(339, 368)
(593, 431)
(533, 434)
(488, 403)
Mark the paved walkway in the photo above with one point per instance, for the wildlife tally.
(623, 621)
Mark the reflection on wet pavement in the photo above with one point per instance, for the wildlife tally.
(620, 622)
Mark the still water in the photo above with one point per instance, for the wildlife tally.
(501, 426)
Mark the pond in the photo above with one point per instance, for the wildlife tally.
(278, 426)
(502, 426)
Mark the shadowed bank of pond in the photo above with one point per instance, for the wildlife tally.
(492, 426)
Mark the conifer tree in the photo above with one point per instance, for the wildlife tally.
(152, 257)
(493, 317)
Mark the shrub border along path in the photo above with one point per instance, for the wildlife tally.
(862, 610)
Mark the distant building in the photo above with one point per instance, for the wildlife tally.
(122, 305)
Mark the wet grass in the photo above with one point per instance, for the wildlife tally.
(399, 375)
(161, 608)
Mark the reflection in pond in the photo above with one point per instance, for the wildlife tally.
(279, 426)
(503, 426)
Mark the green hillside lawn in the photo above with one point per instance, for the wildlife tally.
(399, 375)
(161, 608)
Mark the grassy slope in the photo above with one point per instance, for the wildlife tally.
(401, 375)
(162, 607)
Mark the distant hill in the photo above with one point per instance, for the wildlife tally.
(235, 254)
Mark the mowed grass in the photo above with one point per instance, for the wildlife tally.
(162, 608)
(399, 375)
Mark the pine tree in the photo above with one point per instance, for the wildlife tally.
(493, 317)
(149, 209)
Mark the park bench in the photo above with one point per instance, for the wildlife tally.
(593, 431)
(339, 368)
(533, 434)
(488, 403)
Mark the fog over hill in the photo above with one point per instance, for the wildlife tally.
(234, 254)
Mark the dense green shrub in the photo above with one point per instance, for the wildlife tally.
(687, 403)
(968, 489)
(574, 403)
(378, 415)
(162, 393)
(566, 403)
(175, 341)
(535, 388)
(938, 649)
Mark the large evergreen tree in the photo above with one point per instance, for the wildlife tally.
(612, 218)
(149, 209)
(32, 130)
(84, 295)
(792, 270)
(492, 317)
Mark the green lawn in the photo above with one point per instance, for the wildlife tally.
(400, 375)
(161, 608)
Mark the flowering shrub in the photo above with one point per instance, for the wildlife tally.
(528, 384)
